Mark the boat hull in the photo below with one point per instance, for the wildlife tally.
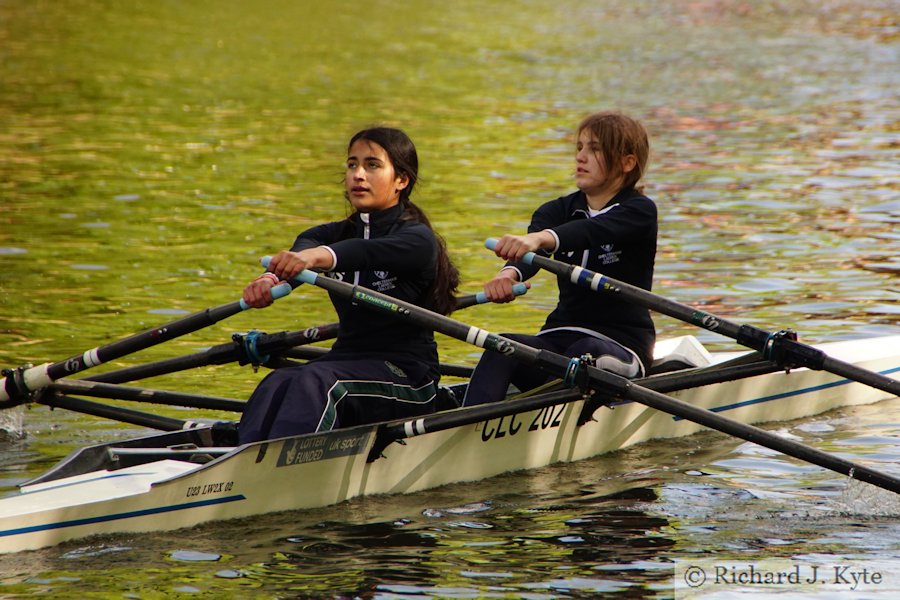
(322, 469)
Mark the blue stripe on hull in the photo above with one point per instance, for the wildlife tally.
(816, 388)
(119, 516)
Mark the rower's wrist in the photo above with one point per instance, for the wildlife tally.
(510, 273)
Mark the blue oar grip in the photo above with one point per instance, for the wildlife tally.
(491, 244)
(518, 289)
(306, 276)
(279, 291)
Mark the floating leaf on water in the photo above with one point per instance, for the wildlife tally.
(571, 539)
(229, 574)
(194, 556)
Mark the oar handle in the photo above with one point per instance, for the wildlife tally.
(279, 291)
(780, 347)
(518, 289)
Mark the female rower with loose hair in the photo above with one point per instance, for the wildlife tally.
(379, 367)
(608, 226)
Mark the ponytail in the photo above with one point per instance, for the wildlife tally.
(403, 156)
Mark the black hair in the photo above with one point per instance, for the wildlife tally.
(403, 156)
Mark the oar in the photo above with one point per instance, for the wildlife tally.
(252, 349)
(136, 394)
(782, 348)
(17, 384)
(240, 349)
(574, 371)
(116, 413)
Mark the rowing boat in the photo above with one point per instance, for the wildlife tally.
(184, 478)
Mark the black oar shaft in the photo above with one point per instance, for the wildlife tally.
(141, 341)
(136, 394)
(116, 413)
(267, 343)
(570, 369)
(774, 346)
(759, 436)
(17, 384)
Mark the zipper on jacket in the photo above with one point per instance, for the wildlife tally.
(364, 217)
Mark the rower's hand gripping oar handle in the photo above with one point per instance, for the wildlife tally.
(17, 384)
(461, 302)
(518, 289)
(491, 244)
(278, 291)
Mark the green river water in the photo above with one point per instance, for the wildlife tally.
(151, 152)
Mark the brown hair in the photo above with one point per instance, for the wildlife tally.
(618, 136)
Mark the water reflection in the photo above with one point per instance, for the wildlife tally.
(528, 542)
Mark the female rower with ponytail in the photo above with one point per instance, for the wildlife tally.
(379, 367)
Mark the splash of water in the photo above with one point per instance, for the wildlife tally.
(860, 498)
(12, 423)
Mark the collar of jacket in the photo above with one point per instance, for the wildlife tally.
(580, 204)
(380, 219)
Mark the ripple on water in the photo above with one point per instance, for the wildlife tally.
(765, 284)
(13, 250)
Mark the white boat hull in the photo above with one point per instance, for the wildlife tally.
(318, 470)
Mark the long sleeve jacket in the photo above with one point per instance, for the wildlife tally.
(620, 242)
(388, 254)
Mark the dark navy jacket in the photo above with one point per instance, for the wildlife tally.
(390, 255)
(620, 242)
